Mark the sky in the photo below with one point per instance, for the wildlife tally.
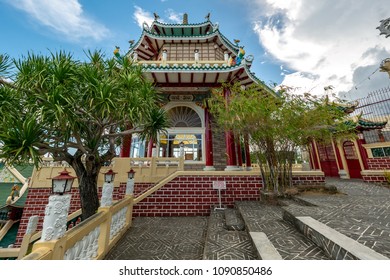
(316, 46)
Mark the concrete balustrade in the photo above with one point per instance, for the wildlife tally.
(92, 238)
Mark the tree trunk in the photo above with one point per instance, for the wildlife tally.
(87, 175)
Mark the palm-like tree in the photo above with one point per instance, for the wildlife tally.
(157, 123)
(73, 110)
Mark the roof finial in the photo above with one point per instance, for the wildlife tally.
(207, 17)
(185, 18)
(156, 16)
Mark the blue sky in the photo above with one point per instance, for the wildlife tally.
(304, 44)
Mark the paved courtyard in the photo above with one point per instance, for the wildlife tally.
(360, 211)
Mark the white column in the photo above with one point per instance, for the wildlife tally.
(106, 200)
(130, 186)
(56, 214)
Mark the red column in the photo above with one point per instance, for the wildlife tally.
(126, 145)
(229, 139)
(209, 141)
(150, 148)
(239, 152)
(363, 152)
(247, 153)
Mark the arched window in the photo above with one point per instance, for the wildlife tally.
(186, 131)
(183, 116)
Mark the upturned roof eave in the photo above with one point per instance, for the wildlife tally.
(227, 44)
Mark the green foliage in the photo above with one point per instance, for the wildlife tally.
(75, 111)
(158, 123)
(277, 125)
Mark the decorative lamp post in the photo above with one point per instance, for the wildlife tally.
(109, 176)
(62, 183)
(56, 211)
(130, 182)
(108, 188)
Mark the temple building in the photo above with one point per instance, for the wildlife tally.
(186, 62)
(363, 157)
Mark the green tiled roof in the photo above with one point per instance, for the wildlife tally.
(10, 237)
(25, 170)
(366, 124)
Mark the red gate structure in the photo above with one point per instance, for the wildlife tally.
(328, 160)
(352, 160)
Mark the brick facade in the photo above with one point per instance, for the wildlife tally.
(374, 178)
(378, 163)
(194, 195)
(219, 146)
(189, 195)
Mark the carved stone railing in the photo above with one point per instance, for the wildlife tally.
(92, 238)
(31, 236)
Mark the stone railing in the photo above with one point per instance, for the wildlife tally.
(149, 169)
(92, 238)
(32, 236)
(184, 63)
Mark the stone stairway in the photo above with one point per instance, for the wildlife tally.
(287, 240)
(254, 230)
(226, 237)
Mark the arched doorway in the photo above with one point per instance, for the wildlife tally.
(352, 159)
(187, 130)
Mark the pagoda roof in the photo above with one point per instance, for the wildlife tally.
(364, 124)
(154, 37)
(194, 75)
(188, 29)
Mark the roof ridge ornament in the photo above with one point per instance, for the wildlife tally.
(185, 18)
(145, 26)
(384, 28)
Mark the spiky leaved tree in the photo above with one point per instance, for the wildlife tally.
(277, 124)
(75, 111)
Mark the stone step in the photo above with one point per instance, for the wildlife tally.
(267, 221)
(337, 245)
(265, 249)
(224, 244)
(233, 220)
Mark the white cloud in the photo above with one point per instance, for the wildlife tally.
(63, 17)
(141, 16)
(324, 42)
(173, 16)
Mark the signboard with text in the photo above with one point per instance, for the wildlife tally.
(219, 185)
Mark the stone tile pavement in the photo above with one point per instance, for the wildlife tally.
(162, 238)
(360, 211)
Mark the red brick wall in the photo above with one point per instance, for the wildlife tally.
(183, 196)
(374, 178)
(309, 180)
(194, 195)
(37, 200)
(378, 163)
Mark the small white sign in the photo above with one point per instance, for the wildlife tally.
(219, 185)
